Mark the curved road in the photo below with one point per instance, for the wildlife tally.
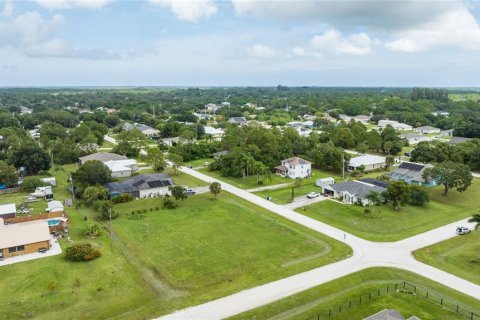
(366, 254)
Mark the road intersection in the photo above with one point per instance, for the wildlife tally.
(366, 254)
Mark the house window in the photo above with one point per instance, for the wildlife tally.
(21, 248)
(12, 250)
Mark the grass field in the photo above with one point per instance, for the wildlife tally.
(199, 162)
(316, 303)
(249, 182)
(459, 256)
(207, 248)
(168, 260)
(386, 224)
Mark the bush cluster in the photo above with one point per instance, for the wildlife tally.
(82, 252)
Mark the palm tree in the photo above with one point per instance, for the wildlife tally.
(475, 219)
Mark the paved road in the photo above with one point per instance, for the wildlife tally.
(366, 254)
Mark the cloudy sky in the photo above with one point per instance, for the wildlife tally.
(239, 42)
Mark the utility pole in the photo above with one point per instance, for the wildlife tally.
(343, 166)
(73, 192)
(111, 230)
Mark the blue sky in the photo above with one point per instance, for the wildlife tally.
(239, 42)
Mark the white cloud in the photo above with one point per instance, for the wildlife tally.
(262, 51)
(333, 42)
(458, 29)
(67, 4)
(7, 9)
(189, 10)
(338, 14)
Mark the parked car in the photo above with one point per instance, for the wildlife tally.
(188, 191)
(463, 230)
(312, 195)
(42, 250)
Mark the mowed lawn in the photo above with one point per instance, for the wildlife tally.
(249, 182)
(459, 256)
(316, 302)
(206, 249)
(386, 224)
(106, 287)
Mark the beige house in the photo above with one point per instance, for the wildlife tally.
(23, 238)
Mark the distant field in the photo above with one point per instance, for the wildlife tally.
(464, 96)
(315, 303)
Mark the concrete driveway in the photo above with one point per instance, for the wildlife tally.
(303, 201)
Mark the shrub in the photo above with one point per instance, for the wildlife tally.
(92, 231)
(94, 193)
(417, 196)
(30, 183)
(103, 208)
(125, 197)
(168, 202)
(81, 252)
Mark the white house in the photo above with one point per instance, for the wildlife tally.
(323, 182)
(294, 168)
(395, 124)
(353, 192)
(413, 138)
(440, 113)
(426, 130)
(370, 162)
(122, 168)
(362, 118)
(214, 132)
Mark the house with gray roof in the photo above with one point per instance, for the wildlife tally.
(352, 192)
(389, 314)
(238, 120)
(457, 140)
(426, 130)
(411, 173)
(142, 186)
(148, 131)
(102, 156)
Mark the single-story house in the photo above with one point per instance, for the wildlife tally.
(440, 113)
(362, 118)
(370, 162)
(414, 138)
(8, 211)
(308, 124)
(122, 168)
(171, 141)
(323, 182)
(148, 131)
(345, 118)
(446, 133)
(294, 168)
(295, 124)
(395, 124)
(218, 154)
(457, 140)
(426, 130)
(238, 120)
(214, 132)
(352, 192)
(23, 238)
(103, 157)
(212, 107)
(142, 186)
(411, 173)
(127, 126)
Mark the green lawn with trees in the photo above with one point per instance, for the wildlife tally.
(384, 223)
(248, 182)
(459, 256)
(206, 248)
(315, 303)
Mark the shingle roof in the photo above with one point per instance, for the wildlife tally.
(427, 128)
(295, 161)
(408, 171)
(361, 189)
(386, 315)
(456, 140)
(102, 156)
(149, 181)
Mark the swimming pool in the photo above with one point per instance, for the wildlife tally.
(52, 223)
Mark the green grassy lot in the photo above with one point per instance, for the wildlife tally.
(199, 162)
(459, 256)
(184, 179)
(386, 224)
(107, 144)
(168, 260)
(316, 302)
(208, 248)
(249, 182)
